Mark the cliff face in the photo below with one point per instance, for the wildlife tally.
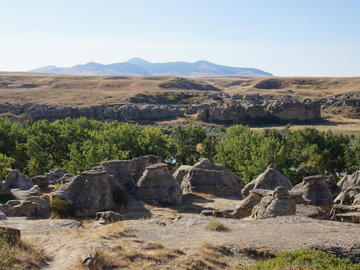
(242, 112)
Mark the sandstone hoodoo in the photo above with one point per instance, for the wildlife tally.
(139, 164)
(89, 192)
(316, 191)
(277, 203)
(121, 171)
(350, 180)
(157, 185)
(209, 178)
(270, 179)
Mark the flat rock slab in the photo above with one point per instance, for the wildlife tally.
(280, 233)
(39, 225)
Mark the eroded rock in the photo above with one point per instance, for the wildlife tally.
(277, 203)
(270, 179)
(158, 185)
(206, 177)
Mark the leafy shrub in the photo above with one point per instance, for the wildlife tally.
(305, 259)
(61, 207)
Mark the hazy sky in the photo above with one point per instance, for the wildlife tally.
(284, 37)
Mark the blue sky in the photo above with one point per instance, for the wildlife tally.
(284, 37)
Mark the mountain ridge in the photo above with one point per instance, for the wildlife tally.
(140, 67)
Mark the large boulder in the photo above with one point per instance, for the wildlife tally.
(89, 192)
(139, 164)
(55, 175)
(20, 194)
(15, 180)
(350, 180)
(277, 203)
(158, 185)
(270, 179)
(315, 190)
(121, 171)
(206, 177)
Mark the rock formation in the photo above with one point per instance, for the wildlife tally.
(270, 179)
(121, 171)
(36, 206)
(209, 178)
(20, 194)
(277, 203)
(107, 217)
(89, 192)
(315, 190)
(139, 164)
(350, 180)
(15, 180)
(158, 185)
(245, 207)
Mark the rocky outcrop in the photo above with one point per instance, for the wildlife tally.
(15, 180)
(277, 203)
(121, 172)
(270, 179)
(20, 194)
(139, 164)
(236, 111)
(349, 196)
(89, 192)
(3, 216)
(157, 185)
(315, 190)
(206, 177)
(36, 207)
(350, 180)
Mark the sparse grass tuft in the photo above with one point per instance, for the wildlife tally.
(216, 226)
(60, 208)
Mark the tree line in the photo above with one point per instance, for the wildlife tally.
(79, 144)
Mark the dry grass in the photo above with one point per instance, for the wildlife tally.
(81, 91)
(22, 256)
(217, 226)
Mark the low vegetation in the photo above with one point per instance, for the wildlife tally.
(22, 256)
(80, 144)
(304, 259)
(217, 226)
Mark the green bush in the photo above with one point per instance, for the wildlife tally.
(61, 207)
(305, 259)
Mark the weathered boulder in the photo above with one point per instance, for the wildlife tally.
(277, 203)
(245, 207)
(316, 191)
(55, 175)
(349, 196)
(348, 213)
(139, 164)
(209, 178)
(89, 192)
(66, 178)
(158, 185)
(15, 180)
(107, 217)
(20, 194)
(37, 207)
(270, 179)
(41, 181)
(121, 171)
(11, 235)
(350, 180)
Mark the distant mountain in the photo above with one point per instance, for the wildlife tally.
(141, 67)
